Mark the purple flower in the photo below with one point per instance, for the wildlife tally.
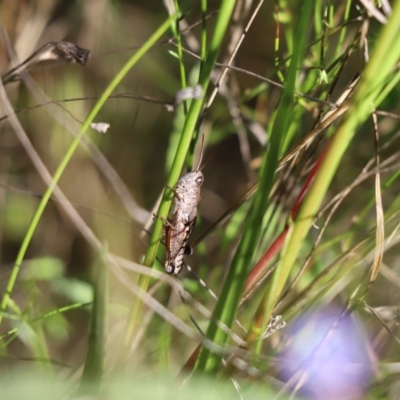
(326, 356)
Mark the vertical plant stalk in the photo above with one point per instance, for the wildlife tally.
(94, 362)
(277, 41)
(177, 32)
(178, 163)
(344, 29)
(380, 218)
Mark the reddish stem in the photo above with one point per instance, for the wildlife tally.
(276, 246)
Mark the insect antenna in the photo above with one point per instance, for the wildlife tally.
(200, 166)
(212, 294)
(197, 326)
(201, 154)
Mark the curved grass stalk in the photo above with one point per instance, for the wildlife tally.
(89, 119)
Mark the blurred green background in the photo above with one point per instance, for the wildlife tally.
(140, 145)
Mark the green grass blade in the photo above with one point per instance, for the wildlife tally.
(383, 59)
(226, 308)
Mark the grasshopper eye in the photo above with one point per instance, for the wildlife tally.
(199, 180)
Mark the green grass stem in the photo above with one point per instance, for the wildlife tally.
(188, 131)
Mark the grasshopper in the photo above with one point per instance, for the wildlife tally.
(184, 213)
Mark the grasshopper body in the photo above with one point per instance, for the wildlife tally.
(184, 213)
